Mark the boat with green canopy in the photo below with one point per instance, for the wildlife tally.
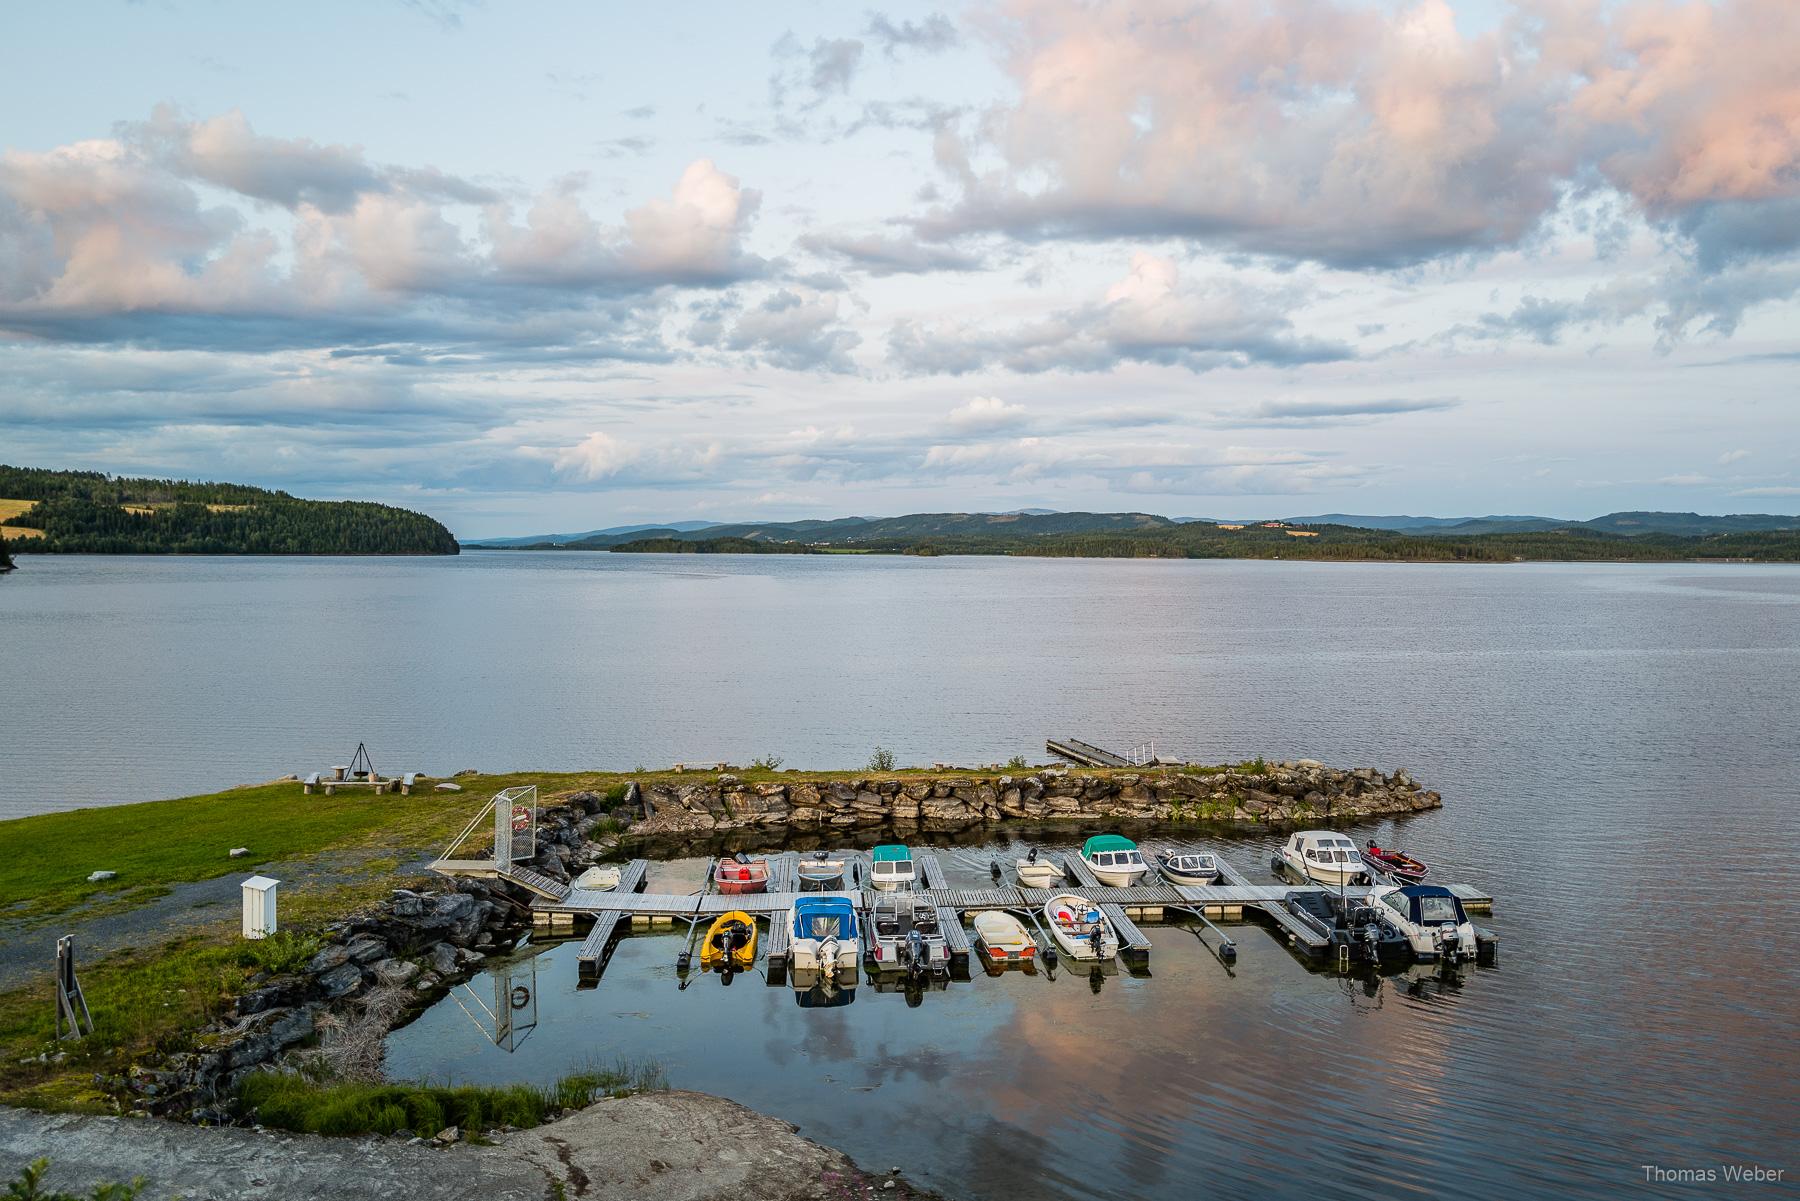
(891, 867)
(1114, 860)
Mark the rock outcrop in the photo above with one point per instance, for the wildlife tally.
(1276, 795)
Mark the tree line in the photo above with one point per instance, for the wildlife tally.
(88, 513)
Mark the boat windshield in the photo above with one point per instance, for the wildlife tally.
(1438, 910)
(821, 926)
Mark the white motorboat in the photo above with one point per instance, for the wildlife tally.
(1432, 919)
(1079, 927)
(824, 936)
(1325, 856)
(891, 867)
(1002, 937)
(905, 935)
(598, 879)
(1038, 871)
(1114, 860)
(1188, 867)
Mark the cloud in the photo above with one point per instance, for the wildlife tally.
(881, 256)
(1732, 456)
(1685, 480)
(1770, 490)
(986, 413)
(825, 68)
(794, 328)
(125, 239)
(602, 457)
(1289, 412)
(1365, 136)
(1147, 317)
(934, 35)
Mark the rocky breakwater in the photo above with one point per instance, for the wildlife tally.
(368, 972)
(1275, 795)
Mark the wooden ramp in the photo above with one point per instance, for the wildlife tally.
(1087, 755)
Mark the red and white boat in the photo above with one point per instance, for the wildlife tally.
(1403, 868)
(734, 876)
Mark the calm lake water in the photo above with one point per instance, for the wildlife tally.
(1617, 747)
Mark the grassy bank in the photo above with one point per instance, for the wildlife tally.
(288, 1101)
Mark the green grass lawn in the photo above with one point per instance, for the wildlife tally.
(158, 843)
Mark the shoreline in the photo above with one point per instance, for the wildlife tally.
(369, 942)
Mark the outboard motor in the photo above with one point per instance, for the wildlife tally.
(915, 952)
(828, 956)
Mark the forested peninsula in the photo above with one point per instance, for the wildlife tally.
(1145, 536)
(86, 512)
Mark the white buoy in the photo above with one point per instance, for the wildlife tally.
(259, 906)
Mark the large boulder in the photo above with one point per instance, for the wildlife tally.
(340, 981)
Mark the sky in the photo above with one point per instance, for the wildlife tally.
(546, 267)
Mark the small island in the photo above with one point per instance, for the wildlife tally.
(86, 512)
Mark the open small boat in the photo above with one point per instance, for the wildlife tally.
(821, 869)
(737, 876)
(598, 879)
(891, 867)
(1002, 937)
(1079, 927)
(823, 936)
(1325, 856)
(906, 936)
(730, 942)
(1403, 868)
(1114, 860)
(1037, 871)
(1364, 931)
(1188, 867)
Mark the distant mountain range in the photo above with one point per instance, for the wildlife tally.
(564, 539)
(1026, 524)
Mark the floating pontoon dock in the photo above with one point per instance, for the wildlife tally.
(556, 907)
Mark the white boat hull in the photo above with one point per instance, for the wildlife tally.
(1118, 877)
(1039, 874)
(838, 957)
(1322, 873)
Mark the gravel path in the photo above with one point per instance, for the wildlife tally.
(28, 945)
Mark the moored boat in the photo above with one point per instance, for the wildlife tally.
(1432, 919)
(598, 879)
(730, 942)
(1401, 867)
(1362, 929)
(905, 935)
(821, 868)
(1038, 871)
(824, 936)
(738, 876)
(891, 867)
(1188, 867)
(1003, 938)
(1114, 860)
(1079, 927)
(1324, 856)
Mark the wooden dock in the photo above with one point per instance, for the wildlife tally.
(557, 907)
(1085, 754)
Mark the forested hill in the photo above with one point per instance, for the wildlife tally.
(87, 512)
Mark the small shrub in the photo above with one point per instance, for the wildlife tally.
(766, 763)
(881, 760)
(1017, 763)
(282, 951)
(29, 1187)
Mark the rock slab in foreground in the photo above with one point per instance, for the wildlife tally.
(675, 1146)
